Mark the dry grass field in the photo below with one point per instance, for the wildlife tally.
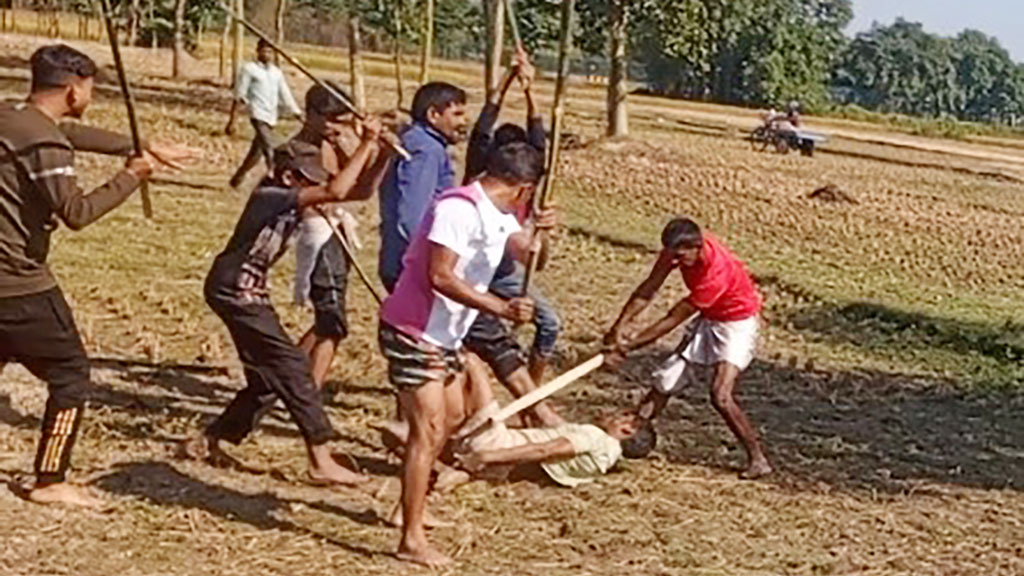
(888, 386)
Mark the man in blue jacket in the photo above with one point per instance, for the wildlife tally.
(439, 120)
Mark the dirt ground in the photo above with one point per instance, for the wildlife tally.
(887, 387)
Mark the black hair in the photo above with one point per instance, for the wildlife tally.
(319, 100)
(682, 233)
(508, 133)
(437, 96)
(58, 65)
(640, 443)
(263, 43)
(515, 163)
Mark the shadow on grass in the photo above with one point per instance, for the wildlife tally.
(163, 485)
(856, 430)
(10, 416)
(873, 326)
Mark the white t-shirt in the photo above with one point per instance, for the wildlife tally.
(465, 221)
(264, 90)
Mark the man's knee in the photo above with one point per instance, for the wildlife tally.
(721, 398)
(547, 318)
(69, 383)
(429, 428)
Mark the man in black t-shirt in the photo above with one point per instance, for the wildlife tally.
(236, 290)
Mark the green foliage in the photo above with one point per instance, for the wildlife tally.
(741, 51)
(905, 70)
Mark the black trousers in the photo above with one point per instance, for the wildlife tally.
(262, 147)
(39, 332)
(274, 368)
(491, 340)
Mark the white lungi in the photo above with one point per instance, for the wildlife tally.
(708, 342)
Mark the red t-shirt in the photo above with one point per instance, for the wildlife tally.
(720, 286)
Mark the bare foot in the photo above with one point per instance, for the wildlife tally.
(64, 493)
(758, 468)
(449, 478)
(330, 472)
(429, 520)
(207, 449)
(422, 553)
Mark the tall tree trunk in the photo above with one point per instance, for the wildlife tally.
(618, 89)
(398, 53)
(222, 64)
(282, 5)
(355, 62)
(428, 41)
(238, 45)
(495, 14)
(151, 17)
(133, 23)
(179, 37)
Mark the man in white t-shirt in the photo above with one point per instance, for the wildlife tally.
(443, 285)
(262, 88)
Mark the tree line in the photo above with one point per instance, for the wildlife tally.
(747, 52)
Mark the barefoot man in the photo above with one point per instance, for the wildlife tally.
(237, 291)
(724, 308)
(331, 130)
(37, 188)
(442, 287)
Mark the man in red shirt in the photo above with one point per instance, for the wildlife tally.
(722, 311)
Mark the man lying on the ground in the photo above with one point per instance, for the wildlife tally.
(569, 454)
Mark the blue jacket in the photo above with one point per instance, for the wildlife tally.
(407, 191)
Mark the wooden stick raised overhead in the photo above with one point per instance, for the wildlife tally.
(557, 112)
(129, 101)
(510, 13)
(302, 68)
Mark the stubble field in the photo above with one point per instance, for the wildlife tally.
(887, 387)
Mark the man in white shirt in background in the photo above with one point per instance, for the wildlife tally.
(262, 88)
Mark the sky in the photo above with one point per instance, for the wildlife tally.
(1003, 19)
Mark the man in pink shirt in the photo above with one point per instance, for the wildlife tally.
(443, 286)
(723, 309)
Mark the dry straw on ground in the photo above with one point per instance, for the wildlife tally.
(884, 387)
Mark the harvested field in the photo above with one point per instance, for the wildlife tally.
(888, 388)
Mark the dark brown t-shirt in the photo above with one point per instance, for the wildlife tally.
(38, 187)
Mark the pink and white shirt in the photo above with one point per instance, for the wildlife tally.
(465, 221)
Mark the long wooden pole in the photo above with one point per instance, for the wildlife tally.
(543, 392)
(557, 112)
(129, 101)
(513, 24)
(351, 256)
(305, 71)
(537, 395)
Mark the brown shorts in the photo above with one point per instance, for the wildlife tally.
(413, 362)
